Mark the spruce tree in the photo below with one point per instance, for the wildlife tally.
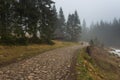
(84, 31)
(46, 24)
(61, 29)
(55, 21)
(73, 27)
(21, 17)
(6, 7)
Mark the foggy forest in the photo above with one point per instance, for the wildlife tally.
(59, 40)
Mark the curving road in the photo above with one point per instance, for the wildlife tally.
(57, 64)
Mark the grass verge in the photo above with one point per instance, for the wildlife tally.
(85, 67)
(100, 65)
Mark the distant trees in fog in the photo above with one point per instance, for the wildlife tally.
(69, 30)
(107, 33)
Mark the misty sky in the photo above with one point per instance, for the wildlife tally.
(91, 10)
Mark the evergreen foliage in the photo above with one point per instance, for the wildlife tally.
(35, 21)
(73, 27)
(61, 26)
(26, 21)
(70, 30)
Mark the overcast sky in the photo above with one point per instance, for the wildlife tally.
(91, 10)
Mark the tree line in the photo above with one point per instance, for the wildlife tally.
(35, 21)
(68, 30)
(26, 21)
(102, 32)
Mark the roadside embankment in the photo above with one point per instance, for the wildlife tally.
(95, 63)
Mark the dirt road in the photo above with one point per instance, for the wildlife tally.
(52, 65)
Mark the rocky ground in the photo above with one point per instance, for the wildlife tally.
(52, 65)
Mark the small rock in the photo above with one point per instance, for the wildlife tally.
(30, 77)
(79, 73)
(119, 66)
(8, 79)
(53, 59)
(1, 56)
(20, 72)
(68, 66)
(90, 70)
(8, 71)
(1, 72)
(72, 74)
(31, 74)
(44, 66)
(77, 64)
(21, 78)
(44, 71)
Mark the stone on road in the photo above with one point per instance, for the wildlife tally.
(51, 65)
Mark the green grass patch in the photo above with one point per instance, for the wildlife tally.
(85, 68)
(82, 70)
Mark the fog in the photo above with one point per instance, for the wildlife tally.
(91, 10)
(104, 15)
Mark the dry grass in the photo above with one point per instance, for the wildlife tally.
(10, 54)
(108, 64)
(85, 67)
(100, 65)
